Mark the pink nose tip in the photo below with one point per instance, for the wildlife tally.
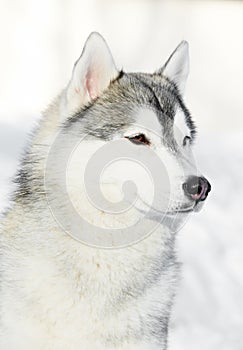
(197, 188)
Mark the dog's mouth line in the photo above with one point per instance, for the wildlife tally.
(181, 210)
(174, 212)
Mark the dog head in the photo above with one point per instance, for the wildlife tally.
(130, 138)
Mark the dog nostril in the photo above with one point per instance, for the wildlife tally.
(192, 188)
(197, 188)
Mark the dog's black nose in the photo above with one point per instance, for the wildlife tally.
(197, 188)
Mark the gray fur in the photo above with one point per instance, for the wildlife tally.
(29, 235)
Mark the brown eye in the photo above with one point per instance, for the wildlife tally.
(138, 139)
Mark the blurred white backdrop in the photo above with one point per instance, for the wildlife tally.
(40, 41)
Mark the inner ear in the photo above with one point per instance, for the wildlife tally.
(92, 84)
(92, 73)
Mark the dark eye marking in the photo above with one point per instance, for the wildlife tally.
(186, 140)
(139, 139)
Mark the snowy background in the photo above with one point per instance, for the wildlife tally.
(40, 40)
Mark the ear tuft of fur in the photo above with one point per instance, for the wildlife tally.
(176, 67)
(92, 72)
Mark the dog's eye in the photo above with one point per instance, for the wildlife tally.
(138, 139)
(187, 139)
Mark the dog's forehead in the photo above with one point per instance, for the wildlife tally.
(162, 108)
(169, 107)
(144, 99)
(146, 118)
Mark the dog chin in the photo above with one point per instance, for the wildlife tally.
(171, 222)
(198, 207)
(173, 217)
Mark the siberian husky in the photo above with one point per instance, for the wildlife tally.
(87, 245)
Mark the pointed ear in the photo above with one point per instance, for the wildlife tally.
(177, 66)
(92, 73)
